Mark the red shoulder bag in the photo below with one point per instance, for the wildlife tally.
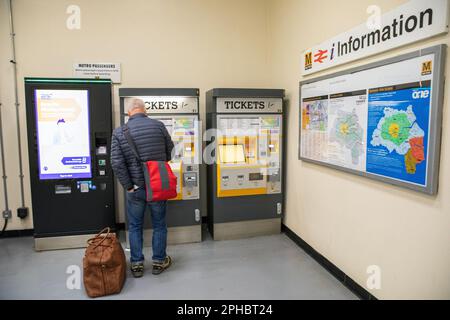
(160, 182)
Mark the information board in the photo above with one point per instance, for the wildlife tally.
(63, 134)
(381, 120)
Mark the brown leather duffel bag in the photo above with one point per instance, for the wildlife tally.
(104, 265)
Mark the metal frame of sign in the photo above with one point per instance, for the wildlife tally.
(435, 127)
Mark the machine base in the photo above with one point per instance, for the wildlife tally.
(246, 229)
(64, 242)
(175, 235)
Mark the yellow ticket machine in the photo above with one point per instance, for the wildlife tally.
(245, 182)
(178, 110)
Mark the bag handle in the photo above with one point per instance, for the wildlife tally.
(126, 133)
(92, 240)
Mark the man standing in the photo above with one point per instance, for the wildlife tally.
(153, 142)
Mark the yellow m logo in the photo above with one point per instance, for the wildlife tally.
(308, 60)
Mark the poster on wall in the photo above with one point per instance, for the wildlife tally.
(381, 121)
(63, 134)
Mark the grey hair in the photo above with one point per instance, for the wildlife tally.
(136, 103)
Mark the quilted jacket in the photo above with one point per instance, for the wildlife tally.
(152, 141)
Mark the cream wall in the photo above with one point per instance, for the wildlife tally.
(160, 43)
(351, 220)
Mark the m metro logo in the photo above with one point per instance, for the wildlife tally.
(427, 68)
(308, 60)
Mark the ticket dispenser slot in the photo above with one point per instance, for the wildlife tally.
(190, 180)
(101, 154)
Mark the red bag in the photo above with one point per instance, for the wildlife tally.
(160, 182)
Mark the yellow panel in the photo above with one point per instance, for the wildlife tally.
(218, 179)
(241, 192)
(249, 166)
(237, 192)
(179, 194)
(250, 144)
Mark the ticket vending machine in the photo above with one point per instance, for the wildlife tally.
(69, 132)
(245, 171)
(178, 109)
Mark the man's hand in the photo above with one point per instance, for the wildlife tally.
(130, 190)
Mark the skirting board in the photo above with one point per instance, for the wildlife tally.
(18, 233)
(175, 235)
(30, 232)
(65, 242)
(246, 229)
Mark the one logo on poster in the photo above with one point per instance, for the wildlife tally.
(427, 68)
(308, 61)
(421, 94)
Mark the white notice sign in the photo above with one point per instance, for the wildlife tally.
(97, 70)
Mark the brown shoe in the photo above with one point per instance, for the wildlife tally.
(137, 269)
(160, 267)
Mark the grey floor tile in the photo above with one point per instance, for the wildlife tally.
(270, 267)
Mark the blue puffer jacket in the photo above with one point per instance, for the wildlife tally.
(152, 141)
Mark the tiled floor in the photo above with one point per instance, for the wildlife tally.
(270, 267)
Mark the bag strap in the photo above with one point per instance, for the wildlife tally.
(98, 236)
(126, 133)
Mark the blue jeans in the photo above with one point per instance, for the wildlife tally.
(136, 206)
